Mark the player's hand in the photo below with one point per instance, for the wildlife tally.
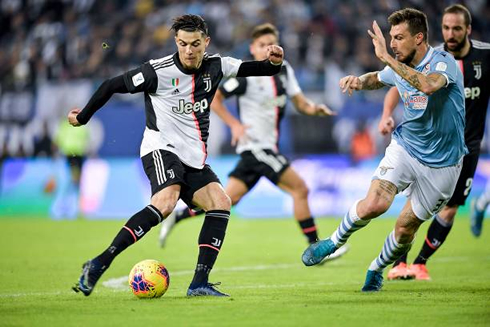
(275, 54)
(72, 117)
(238, 132)
(386, 125)
(323, 110)
(350, 83)
(379, 43)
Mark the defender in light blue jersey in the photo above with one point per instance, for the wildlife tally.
(424, 158)
(432, 130)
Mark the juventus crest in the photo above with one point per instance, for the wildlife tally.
(207, 82)
(477, 69)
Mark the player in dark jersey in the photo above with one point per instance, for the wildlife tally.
(262, 102)
(473, 58)
(178, 90)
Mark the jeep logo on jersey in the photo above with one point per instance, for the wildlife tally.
(189, 107)
(207, 83)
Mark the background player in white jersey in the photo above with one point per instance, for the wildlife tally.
(425, 154)
(473, 58)
(178, 90)
(262, 102)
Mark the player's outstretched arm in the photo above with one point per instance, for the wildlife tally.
(237, 129)
(427, 84)
(308, 107)
(77, 117)
(353, 83)
(387, 124)
(268, 67)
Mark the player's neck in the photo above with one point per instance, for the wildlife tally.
(464, 50)
(419, 55)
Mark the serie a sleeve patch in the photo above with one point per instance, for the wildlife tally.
(138, 79)
(441, 66)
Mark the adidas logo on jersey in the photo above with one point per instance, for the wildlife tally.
(188, 107)
(176, 91)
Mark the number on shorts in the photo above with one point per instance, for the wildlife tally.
(440, 203)
(469, 183)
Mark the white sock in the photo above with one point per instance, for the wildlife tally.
(392, 250)
(349, 224)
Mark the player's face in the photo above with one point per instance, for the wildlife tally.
(454, 31)
(191, 47)
(258, 48)
(403, 44)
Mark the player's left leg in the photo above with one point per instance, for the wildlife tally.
(215, 202)
(396, 244)
(292, 183)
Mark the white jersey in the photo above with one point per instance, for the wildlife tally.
(177, 103)
(261, 104)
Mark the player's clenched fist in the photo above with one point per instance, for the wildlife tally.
(72, 117)
(350, 83)
(275, 54)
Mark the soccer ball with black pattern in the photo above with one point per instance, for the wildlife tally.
(149, 279)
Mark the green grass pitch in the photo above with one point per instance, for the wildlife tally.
(259, 266)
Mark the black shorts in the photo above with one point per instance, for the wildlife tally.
(258, 163)
(164, 168)
(465, 181)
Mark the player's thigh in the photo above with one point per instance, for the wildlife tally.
(166, 199)
(465, 180)
(433, 189)
(236, 189)
(212, 197)
(291, 182)
(378, 200)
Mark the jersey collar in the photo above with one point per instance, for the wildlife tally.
(427, 57)
(182, 68)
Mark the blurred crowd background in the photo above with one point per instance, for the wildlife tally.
(54, 54)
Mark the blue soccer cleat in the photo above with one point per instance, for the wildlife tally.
(374, 281)
(207, 289)
(476, 219)
(316, 252)
(91, 272)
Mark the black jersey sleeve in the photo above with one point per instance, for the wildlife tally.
(141, 79)
(234, 86)
(101, 96)
(258, 68)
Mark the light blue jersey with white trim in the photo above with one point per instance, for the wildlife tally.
(432, 130)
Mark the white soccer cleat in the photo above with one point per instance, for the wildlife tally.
(167, 226)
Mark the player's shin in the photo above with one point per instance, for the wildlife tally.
(210, 241)
(134, 229)
(436, 235)
(349, 224)
(391, 251)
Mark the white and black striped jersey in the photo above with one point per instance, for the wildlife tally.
(476, 71)
(261, 104)
(177, 103)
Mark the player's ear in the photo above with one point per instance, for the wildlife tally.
(468, 30)
(419, 38)
(207, 40)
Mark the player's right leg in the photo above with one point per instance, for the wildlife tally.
(378, 200)
(165, 187)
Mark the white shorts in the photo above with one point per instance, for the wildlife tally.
(427, 188)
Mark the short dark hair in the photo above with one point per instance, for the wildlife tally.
(459, 9)
(190, 23)
(415, 19)
(264, 29)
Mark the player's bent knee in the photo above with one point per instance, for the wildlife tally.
(375, 208)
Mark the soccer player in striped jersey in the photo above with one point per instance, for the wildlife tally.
(473, 58)
(425, 155)
(261, 104)
(178, 91)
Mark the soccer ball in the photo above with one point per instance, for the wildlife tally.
(149, 279)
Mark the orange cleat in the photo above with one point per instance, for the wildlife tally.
(400, 271)
(419, 271)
